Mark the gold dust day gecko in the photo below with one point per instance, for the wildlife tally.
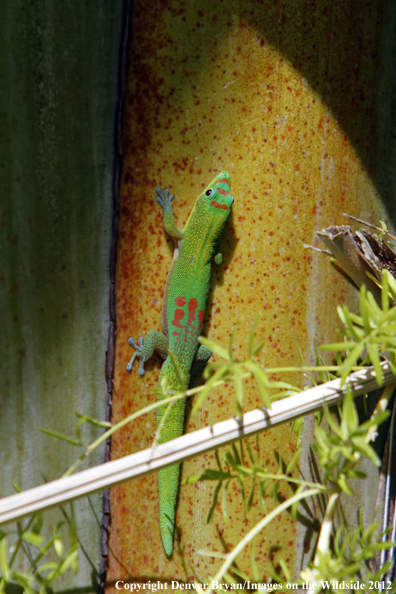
(183, 308)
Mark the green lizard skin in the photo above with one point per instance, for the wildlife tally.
(185, 297)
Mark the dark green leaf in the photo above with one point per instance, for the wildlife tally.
(214, 502)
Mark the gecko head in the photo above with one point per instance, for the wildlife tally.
(218, 195)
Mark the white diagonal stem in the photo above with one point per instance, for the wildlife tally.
(135, 465)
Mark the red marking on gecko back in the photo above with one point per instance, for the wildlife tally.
(217, 205)
(179, 315)
(192, 306)
(193, 327)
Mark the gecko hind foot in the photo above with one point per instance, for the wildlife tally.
(138, 353)
(164, 199)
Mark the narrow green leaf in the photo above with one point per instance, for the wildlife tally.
(391, 283)
(258, 349)
(341, 481)
(251, 337)
(356, 474)
(275, 577)
(375, 360)
(261, 379)
(285, 570)
(297, 426)
(344, 450)
(58, 546)
(251, 495)
(32, 538)
(209, 474)
(93, 421)
(385, 291)
(350, 362)
(253, 565)
(238, 391)
(377, 420)
(23, 582)
(46, 566)
(214, 502)
(373, 305)
(339, 359)
(208, 386)
(274, 492)
(74, 564)
(236, 454)
(364, 309)
(77, 431)
(334, 426)
(231, 342)
(337, 346)
(349, 413)
(250, 452)
(72, 529)
(179, 374)
(61, 436)
(352, 330)
(224, 503)
(340, 311)
(384, 229)
(322, 439)
(68, 562)
(365, 449)
(356, 320)
(16, 487)
(214, 347)
(389, 342)
(284, 385)
(292, 461)
(38, 522)
(216, 453)
(5, 570)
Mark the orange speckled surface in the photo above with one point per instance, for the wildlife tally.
(282, 96)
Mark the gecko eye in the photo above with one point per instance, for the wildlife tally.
(208, 192)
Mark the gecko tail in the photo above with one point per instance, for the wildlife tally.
(168, 486)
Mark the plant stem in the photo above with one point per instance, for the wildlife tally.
(251, 535)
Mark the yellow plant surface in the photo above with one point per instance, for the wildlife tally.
(282, 96)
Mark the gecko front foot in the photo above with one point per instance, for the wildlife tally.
(138, 353)
(164, 199)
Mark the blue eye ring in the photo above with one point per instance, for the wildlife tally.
(209, 192)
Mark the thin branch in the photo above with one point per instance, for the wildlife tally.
(369, 225)
(311, 247)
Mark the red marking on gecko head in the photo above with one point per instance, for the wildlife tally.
(223, 180)
(217, 205)
(221, 191)
(180, 301)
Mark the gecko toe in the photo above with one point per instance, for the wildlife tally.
(160, 197)
(137, 353)
(133, 344)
